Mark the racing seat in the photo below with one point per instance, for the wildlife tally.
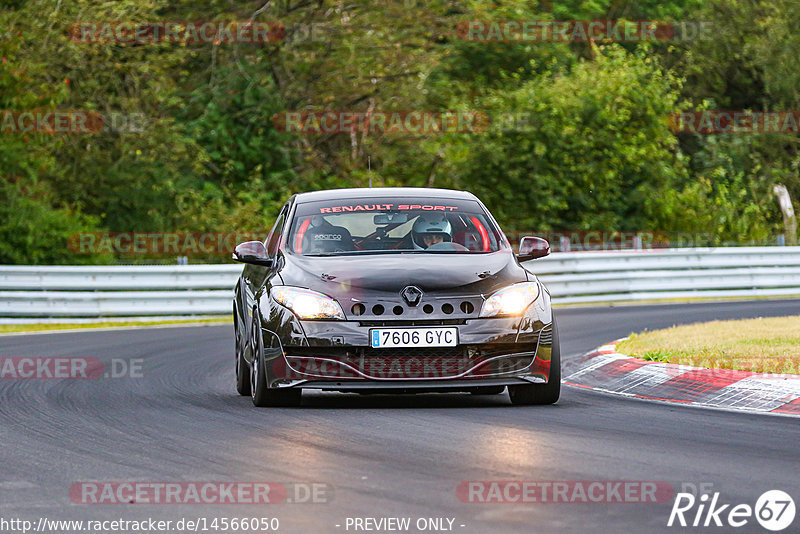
(470, 239)
(322, 237)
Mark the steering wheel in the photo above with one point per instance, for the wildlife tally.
(379, 233)
(448, 245)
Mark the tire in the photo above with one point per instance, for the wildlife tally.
(487, 390)
(262, 395)
(530, 394)
(242, 367)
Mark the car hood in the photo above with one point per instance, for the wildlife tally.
(442, 273)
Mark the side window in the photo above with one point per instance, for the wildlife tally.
(274, 238)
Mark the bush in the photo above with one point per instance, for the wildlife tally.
(34, 232)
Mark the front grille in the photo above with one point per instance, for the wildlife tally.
(417, 352)
(421, 322)
(471, 351)
(408, 363)
(386, 309)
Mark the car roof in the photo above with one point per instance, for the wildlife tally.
(382, 192)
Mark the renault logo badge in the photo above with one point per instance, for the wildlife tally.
(411, 295)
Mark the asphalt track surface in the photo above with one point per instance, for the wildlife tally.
(385, 456)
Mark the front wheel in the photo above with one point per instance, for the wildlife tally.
(541, 393)
(242, 368)
(262, 395)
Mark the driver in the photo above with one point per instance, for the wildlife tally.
(430, 229)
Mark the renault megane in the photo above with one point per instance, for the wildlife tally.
(392, 290)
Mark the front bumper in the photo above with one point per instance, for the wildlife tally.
(336, 355)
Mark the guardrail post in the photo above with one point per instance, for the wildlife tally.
(789, 218)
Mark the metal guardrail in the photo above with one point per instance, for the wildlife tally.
(117, 291)
(572, 277)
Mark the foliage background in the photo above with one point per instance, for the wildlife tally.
(596, 152)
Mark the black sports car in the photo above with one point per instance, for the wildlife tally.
(393, 290)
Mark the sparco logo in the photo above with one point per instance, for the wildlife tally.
(774, 510)
(328, 237)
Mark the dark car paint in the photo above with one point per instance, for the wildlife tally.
(383, 276)
(378, 279)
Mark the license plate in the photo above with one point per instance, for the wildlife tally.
(384, 338)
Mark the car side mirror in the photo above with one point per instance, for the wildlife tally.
(531, 248)
(253, 252)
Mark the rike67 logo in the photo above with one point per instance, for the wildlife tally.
(774, 510)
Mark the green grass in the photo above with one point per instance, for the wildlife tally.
(764, 345)
(37, 327)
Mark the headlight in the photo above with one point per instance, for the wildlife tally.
(511, 300)
(307, 304)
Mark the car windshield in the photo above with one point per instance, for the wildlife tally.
(393, 225)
